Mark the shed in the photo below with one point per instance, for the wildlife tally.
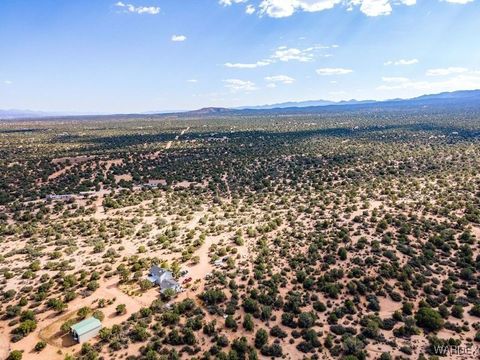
(85, 329)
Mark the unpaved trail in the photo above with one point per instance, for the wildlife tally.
(169, 144)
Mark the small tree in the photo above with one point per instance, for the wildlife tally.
(261, 338)
(230, 322)
(83, 312)
(145, 284)
(168, 294)
(121, 309)
(97, 314)
(15, 355)
(39, 346)
(248, 322)
(429, 319)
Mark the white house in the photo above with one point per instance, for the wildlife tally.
(163, 278)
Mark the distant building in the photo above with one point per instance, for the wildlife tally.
(85, 329)
(219, 262)
(163, 278)
(59, 197)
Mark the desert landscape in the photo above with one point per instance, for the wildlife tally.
(239, 180)
(345, 234)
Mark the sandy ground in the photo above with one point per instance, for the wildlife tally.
(49, 323)
(125, 177)
(4, 343)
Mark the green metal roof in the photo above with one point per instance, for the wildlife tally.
(86, 325)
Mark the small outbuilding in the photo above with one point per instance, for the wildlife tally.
(85, 329)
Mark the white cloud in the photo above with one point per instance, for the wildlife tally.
(279, 79)
(193, 81)
(401, 62)
(461, 2)
(285, 8)
(333, 71)
(286, 54)
(230, 2)
(248, 65)
(446, 71)
(236, 85)
(277, 8)
(374, 7)
(468, 80)
(8, 82)
(250, 9)
(152, 10)
(178, 38)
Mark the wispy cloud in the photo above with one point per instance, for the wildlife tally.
(236, 85)
(461, 2)
(446, 71)
(278, 79)
(178, 38)
(449, 81)
(250, 9)
(230, 2)
(285, 8)
(7, 82)
(285, 54)
(152, 10)
(401, 62)
(333, 71)
(193, 81)
(248, 65)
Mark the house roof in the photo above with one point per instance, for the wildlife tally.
(86, 325)
(158, 271)
(168, 283)
(152, 279)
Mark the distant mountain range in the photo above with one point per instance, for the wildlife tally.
(11, 114)
(18, 114)
(465, 98)
(308, 103)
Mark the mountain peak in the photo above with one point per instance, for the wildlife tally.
(209, 111)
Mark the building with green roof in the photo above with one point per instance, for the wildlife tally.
(85, 329)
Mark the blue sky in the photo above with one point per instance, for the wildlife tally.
(146, 55)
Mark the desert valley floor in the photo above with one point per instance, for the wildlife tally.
(348, 235)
